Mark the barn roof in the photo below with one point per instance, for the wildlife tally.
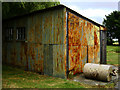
(56, 7)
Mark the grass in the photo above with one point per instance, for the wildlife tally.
(112, 54)
(17, 78)
(113, 48)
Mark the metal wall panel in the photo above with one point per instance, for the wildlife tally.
(103, 43)
(83, 48)
(58, 61)
(52, 29)
(39, 58)
(90, 54)
(96, 44)
(46, 27)
(9, 52)
(15, 54)
(48, 60)
(38, 28)
(74, 59)
(43, 32)
(84, 56)
(31, 56)
(64, 24)
(31, 29)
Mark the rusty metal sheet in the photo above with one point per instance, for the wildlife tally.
(31, 56)
(43, 31)
(91, 34)
(75, 59)
(19, 56)
(11, 54)
(31, 29)
(83, 57)
(83, 48)
(64, 24)
(75, 33)
(20, 22)
(85, 33)
(52, 29)
(8, 52)
(38, 29)
(96, 44)
(48, 60)
(46, 43)
(39, 58)
(23, 54)
(58, 61)
(14, 50)
(90, 54)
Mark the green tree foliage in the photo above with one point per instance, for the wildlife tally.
(112, 23)
(11, 9)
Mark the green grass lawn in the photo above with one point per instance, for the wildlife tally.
(112, 54)
(17, 78)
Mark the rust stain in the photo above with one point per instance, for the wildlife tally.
(95, 39)
(64, 35)
(82, 35)
(50, 28)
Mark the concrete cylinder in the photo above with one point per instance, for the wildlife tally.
(98, 71)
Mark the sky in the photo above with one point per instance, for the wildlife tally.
(92, 9)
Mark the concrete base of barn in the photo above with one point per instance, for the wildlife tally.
(81, 78)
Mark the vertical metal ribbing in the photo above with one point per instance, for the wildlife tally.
(67, 43)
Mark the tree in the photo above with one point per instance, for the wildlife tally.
(112, 23)
(11, 9)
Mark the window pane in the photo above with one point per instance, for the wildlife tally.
(9, 33)
(21, 33)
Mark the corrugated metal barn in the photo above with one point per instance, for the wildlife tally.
(53, 41)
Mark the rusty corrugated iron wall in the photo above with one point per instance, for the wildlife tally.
(44, 49)
(14, 52)
(56, 42)
(84, 43)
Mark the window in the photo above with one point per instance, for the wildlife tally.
(9, 33)
(20, 33)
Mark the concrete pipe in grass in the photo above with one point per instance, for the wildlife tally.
(98, 71)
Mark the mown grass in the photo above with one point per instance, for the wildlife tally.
(17, 78)
(113, 53)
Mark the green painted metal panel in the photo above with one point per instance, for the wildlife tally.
(48, 60)
(58, 61)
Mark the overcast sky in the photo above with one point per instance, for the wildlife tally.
(92, 9)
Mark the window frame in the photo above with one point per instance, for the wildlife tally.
(20, 33)
(9, 33)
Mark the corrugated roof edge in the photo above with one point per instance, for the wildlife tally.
(55, 7)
